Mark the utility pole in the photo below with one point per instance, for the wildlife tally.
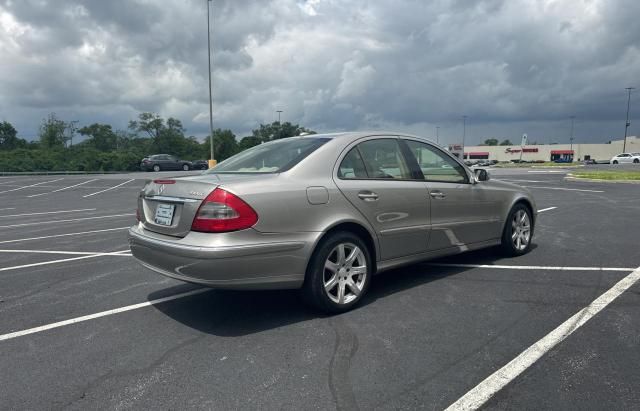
(72, 131)
(571, 137)
(437, 136)
(212, 161)
(278, 111)
(628, 123)
(464, 134)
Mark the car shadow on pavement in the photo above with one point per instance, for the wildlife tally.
(238, 313)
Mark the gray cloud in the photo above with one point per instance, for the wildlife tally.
(511, 66)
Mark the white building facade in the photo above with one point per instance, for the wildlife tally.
(547, 152)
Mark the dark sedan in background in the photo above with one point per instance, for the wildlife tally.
(159, 162)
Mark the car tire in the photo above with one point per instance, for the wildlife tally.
(518, 231)
(615, 161)
(156, 168)
(185, 167)
(330, 283)
(636, 161)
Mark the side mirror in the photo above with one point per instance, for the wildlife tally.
(481, 174)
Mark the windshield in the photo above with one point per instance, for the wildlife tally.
(272, 157)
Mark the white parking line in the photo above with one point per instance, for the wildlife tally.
(530, 267)
(8, 208)
(100, 314)
(84, 257)
(48, 212)
(61, 235)
(32, 185)
(565, 189)
(547, 209)
(110, 188)
(66, 221)
(522, 181)
(119, 253)
(64, 188)
(479, 395)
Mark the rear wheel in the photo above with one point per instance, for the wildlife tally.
(636, 161)
(518, 230)
(615, 161)
(156, 168)
(339, 273)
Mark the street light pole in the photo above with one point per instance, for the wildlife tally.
(212, 161)
(464, 133)
(627, 124)
(571, 138)
(278, 111)
(437, 136)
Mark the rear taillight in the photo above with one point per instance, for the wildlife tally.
(221, 212)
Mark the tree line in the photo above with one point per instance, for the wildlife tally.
(106, 149)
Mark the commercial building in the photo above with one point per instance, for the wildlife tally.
(548, 152)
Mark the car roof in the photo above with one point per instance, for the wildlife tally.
(360, 134)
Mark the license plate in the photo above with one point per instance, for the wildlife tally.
(164, 214)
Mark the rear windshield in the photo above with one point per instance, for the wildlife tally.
(272, 157)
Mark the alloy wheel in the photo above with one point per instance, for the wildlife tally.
(345, 273)
(520, 230)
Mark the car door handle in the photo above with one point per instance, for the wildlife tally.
(438, 195)
(368, 196)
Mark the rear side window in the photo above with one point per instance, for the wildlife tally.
(272, 157)
(436, 165)
(352, 166)
(381, 158)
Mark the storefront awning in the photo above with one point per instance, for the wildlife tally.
(561, 151)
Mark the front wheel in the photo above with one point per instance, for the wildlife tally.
(636, 161)
(339, 273)
(185, 167)
(518, 231)
(615, 161)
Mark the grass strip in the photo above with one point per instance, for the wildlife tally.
(626, 175)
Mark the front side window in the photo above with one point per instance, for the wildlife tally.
(383, 158)
(436, 165)
(272, 157)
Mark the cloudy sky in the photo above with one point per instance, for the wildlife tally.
(511, 66)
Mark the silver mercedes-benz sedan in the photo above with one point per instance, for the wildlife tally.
(324, 213)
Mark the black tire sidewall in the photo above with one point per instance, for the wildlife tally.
(313, 287)
(507, 244)
(615, 162)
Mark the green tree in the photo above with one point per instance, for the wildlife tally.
(491, 142)
(52, 132)
(149, 123)
(9, 137)
(506, 142)
(277, 130)
(101, 136)
(225, 144)
(248, 142)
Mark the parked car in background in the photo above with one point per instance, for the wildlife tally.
(563, 160)
(324, 213)
(626, 158)
(200, 165)
(162, 162)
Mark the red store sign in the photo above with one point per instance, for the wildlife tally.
(524, 150)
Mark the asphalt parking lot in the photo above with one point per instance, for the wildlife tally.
(83, 326)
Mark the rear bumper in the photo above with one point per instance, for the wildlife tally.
(251, 260)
